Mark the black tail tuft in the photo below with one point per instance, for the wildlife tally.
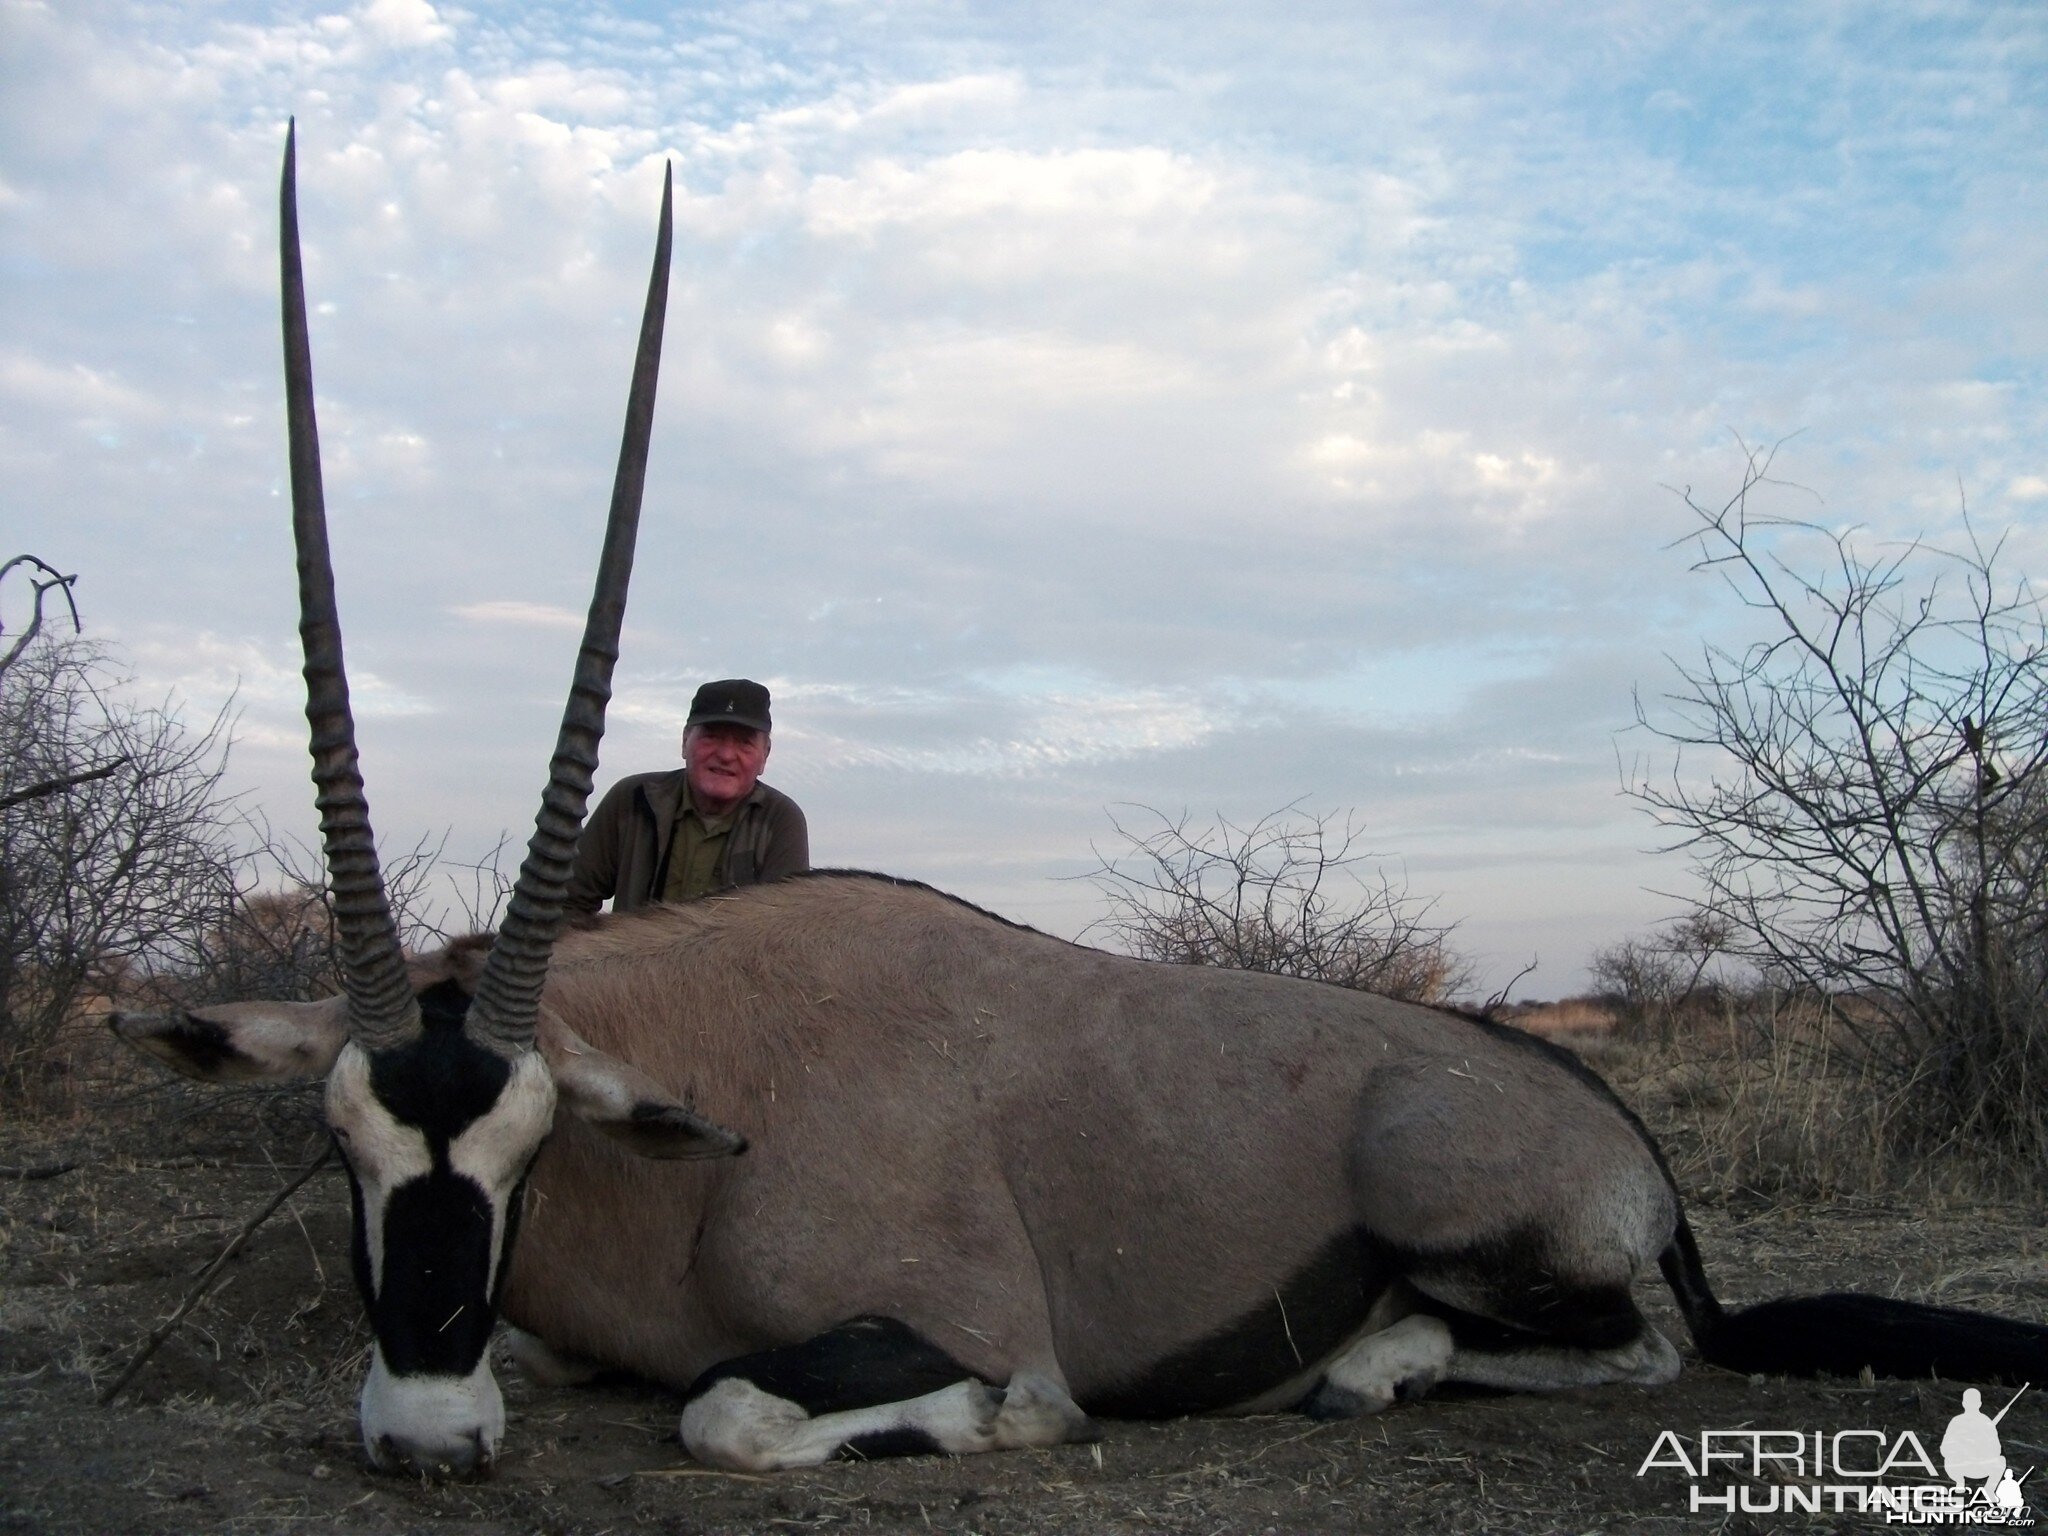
(1843, 1333)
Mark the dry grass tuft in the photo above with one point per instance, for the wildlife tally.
(1572, 1020)
(1769, 1100)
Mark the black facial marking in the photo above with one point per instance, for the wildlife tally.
(443, 1004)
(433, 1306)
(1317, 1308)
(428, 1318)
(859, 1364)
(359, 1239)
(434, 1313)
(207, 1046)
(441, 1082)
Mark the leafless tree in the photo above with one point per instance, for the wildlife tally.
(42, 579)
(126, 868)
(1658, 979)
(114, 832)
(1864, 793)
(273, 934)
(1285, 894)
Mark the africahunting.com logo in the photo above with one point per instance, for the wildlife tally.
(1871, 1471)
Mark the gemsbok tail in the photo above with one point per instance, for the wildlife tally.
(1843, 1332)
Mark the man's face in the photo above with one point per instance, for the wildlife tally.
(723, 762)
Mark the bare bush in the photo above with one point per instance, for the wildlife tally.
(126, 835)
(128, 873)
(1659, 981)
(273, 935)
(1286, 894)
(1871, 816)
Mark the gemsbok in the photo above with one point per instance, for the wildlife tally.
(862, 1169)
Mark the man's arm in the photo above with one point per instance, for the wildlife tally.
(594, 877)
(788, 844)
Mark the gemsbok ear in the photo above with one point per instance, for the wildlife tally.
(241, 1042)
(628, 1105)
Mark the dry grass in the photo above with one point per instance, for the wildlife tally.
(1570, 1021)
(1759, 1099)
(88, 1081)
(1769, 1101)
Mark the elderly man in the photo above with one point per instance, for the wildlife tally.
(707, 826)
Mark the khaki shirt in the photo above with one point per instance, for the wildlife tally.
(696, 851)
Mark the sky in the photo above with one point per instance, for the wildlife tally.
(1065, 407)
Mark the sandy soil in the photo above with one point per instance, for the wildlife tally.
(244, 1421)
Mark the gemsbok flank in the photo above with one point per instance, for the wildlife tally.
(992, 1182)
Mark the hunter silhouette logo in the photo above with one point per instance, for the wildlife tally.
(1870, 1471)
(1970, 1451)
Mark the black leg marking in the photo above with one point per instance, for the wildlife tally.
(890, 1442)
(859, 1364)
(1598, 1318)
(1330, 1401)
(1513, 1291)
(1313, 1312)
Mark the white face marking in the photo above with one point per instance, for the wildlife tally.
(382, 1152)
(385, 1153)
(430, 1422)
(496, 1150)
(435, 1420)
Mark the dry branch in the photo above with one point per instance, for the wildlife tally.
(205, 1280)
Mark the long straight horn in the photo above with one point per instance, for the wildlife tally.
(507, 999)
(382, 1009)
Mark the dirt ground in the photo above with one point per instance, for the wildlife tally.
(244, 1421)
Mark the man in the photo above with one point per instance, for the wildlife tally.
(707, 826)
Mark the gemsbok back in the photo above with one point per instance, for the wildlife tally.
(993, 1183)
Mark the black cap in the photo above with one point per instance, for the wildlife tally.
(732, 701)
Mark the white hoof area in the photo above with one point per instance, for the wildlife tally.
(739, 1428)
(1036, 1411)
(961, 1419)
(1656, 1360)
(1404, 1360)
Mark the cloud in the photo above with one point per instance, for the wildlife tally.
(923, 102)
(1204, 408)
(31, 383)
(404, 23)
(1006, 727)
(264, 690)
(523, 615)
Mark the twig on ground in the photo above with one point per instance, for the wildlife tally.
(199, 1286)
(37, 1171)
